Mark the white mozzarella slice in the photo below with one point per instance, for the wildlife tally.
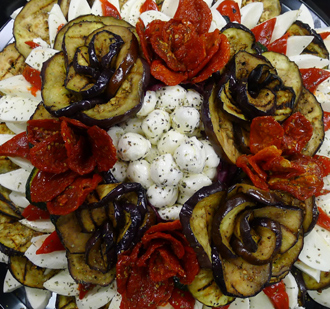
(134, 13)
(17, 109)
(283, 22)
(169, 7)
(126, 9)
(316, 251)
(322, 94)
(97, 8)
(321, 297)
(250, 14)
(63, 284)
(305, 16)
(306, 61)
(198, 305)
(16, 127)
(297, 43)
(15, 180)
(170, 212)
(292, 290)
(78, 8)
(16, 12)
(325, 151)
(38, 56)
(115, 302)
(240, 303)
(97, 297)
(38, 298)
(19, 199)
(10, 284)
(23, 163)
(323, 201)
(52, 260)
(41, 42)
(42, 225)
(261, 300)
(218, 20)
(325, 234)
(18, 86)
(5, 138)
(314, 273)
(4, 258)
(55, 20)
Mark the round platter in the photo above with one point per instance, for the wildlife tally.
(320, 10)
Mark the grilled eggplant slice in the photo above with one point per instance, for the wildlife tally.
(65, 302)
(32, 23)
(11, 62)
(312, 284)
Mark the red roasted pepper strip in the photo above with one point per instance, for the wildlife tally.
(263, 32)
(230, 9)
(109, 9)
(312, 77)
(84, 288)
(33, 77)
(279, 45)
(182, 299)
(51, 243)
(170, 78)
(33, 213)
(326, 120)
(323, 219)
(324, 35)
(32, 44)
(278, 295)
(17, 146)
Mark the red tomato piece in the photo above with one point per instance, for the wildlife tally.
(190, 266)
(263, 32)
(33, 213)
(32, 44)
(46, 186)
(154, 246)
(148, 5)
(312, 77)
(51, 243)
(182, 299)
(197, 12)
(164, 226)
(17, 146)
(109, 9)
(325, 163)
(297, 132)
(323, 219)
(33, 77)
(84, 288)
(279, 45)
(326, 120)
(74, 195)
(230, 9)
(40, 129)
(265, 131)
(278, 295)
(143, 41)
(324, 35)
(167, 76)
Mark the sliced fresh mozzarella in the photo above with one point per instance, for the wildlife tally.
(16, 12)
(316, 251)
(314, 273)
(323, 201)
(321, 297)
(97, 297)
(322, 94)
(77, 8)
(23, 163)
(42, 225)
(135, 12)
(126, 9)
(19, 199)
(261, 300)
(16, 127)
(148, 16)
(240, 303)
(10, 284)
(292, 290)
(52, 260)
(283, 22)
(250, 14)
(198, 305)
(38, 298)
(18, 86)
(169, 7)
(55, 20)
(4, 258)
(16, 109)
(306, 61)
(97, 8)
(218, 20)
(325, 234)
(15, 180)
(305, 16)
(41, 42)
(115, 302)
(5, 138)
(325, 151)
(63, 284)
(297, 43)
(38, 56)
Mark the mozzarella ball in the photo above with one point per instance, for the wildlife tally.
(170, 141)
(170, 212)
(190, 184)
(119, 170)
(132, 125)
(193, 99)
(155, 125)
(170, 97)
(148, 105)
(132, 147)
(185, 119)
(210, 172)
(190, 156)
(139, 171)
(159, 196)
(212, 159)
(116, 133)
(164, 171)
(152, 154)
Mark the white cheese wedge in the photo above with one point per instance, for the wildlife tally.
(240, 303)
(305, 16)
(15, 180)
(297, 43)
(42, 225)
(10, 284)
(250, 14)
(16, 12)
(63, 284)
(97, 297)
(38, 299)
(316, 251)
(283, 22)
(148, 16)
(134, 13)
(38, 56)
(306, 61)
(325, 151)
(261, 300)
(4, 258)
(23, 163)
(126, 9)
(97, 8)
(52, 260)
(325, 234)
(115, 302)
(5, 138)
(292, 290)
(77, 8)
(314, 273)
(19, 199)
(16, 127)
(322, 94)
(321, 297)
(169, 7)
(217, 20)
(55, 20)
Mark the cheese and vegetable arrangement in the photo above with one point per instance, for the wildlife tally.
(165, 154)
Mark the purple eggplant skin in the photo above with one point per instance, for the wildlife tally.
(245, 232)
(84, 69)
(186, 215)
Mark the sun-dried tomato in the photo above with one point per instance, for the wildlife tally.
(190, 266)
(33, 213)
(263, 32)
(265, 131)
(152, 247)
(325, 163)
(297, 132)
(74, 195)
(230, 9)
(39, 129)
(148, 5)
(143, 41)
(167, 76)
(164, 226)
(17, 146)
(312, 77)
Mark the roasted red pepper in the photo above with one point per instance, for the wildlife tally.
(326, 120)
(264, 31)
(148, 5)
(312, 77)
(17, 146)
(278, 295)
(33, 77)
(230, 9)
(182, 299)
(33, 213)
(51, 243)
(84, 288)
(109, 9)
(323, 219)
(32, 44)
(279, 45)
